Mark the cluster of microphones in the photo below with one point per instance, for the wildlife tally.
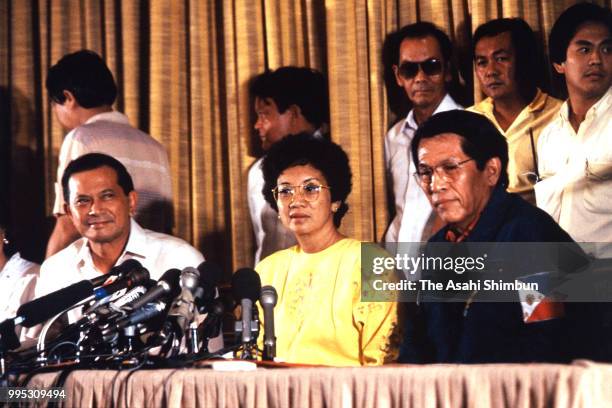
(126, 315)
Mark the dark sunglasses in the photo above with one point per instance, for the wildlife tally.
(409, 70)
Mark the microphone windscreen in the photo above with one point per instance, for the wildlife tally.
(127, 266)
(138, 276)
(45, 307)
(246, 284)
(210, 273)
(268, 296)
(172, 278)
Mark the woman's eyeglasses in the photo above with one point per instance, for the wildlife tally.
(286, 193)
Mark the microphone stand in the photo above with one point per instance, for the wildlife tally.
(40, 345)
(248, 349)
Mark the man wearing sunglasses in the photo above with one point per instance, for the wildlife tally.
(508, 67)
(422, 69)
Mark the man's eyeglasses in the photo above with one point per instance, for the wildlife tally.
(286, 193)
(449, 170)
(409, 70)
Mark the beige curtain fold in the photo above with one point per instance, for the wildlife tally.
(183, 69)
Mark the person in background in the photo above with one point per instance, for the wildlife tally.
(506, 61)
(288, 100)
(575, 150)
(319, 314)
(82, 90)
(424, 70)
(17, 278)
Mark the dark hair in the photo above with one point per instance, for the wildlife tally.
(481, 140)
(93, 161)
(300, 86)
(324, 155)
(398, 101)
(420, 30)
(85, 74)
(567, 25)
(529, 72)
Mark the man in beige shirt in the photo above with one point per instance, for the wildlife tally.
(82, 91)
(505, 55)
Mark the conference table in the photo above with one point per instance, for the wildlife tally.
(580, 384)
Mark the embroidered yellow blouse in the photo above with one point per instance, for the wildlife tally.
(319, 318)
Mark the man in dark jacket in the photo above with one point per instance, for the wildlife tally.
(462, 167)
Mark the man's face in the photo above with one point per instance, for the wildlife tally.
(271, 125)
(99, 208)
(495, 61)
(588, 67)
(457, 192)
(424, 91)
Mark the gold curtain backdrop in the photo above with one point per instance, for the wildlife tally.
(182, 69)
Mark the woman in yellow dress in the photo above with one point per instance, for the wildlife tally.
(319, 316)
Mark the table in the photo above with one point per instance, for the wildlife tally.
(581, 384)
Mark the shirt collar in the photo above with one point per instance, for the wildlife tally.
(135, 248)
(447, 103)
(602, 105)
(453, 235)
(112, 116)
(537, 103)
(489, 220)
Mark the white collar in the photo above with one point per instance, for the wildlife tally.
(111, 116)
(135, 248)
(447, 103)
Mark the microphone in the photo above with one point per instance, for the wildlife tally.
(246, 287)
(142, 314)
(210, 276)
(211, 326)
(119, 271)
(268, 300)
(168, 285)
(134, 278)
(118, 289)
(39, 310)
(133, 295)
(183, 308)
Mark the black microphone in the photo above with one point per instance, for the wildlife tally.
(39, 310)
(168, 285)
(268, 300)
(133, 278)
(142, 314)
(211, 326)
(118, 271)
(246, 287)
(210, 276)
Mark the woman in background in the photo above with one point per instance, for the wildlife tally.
(319, 316)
